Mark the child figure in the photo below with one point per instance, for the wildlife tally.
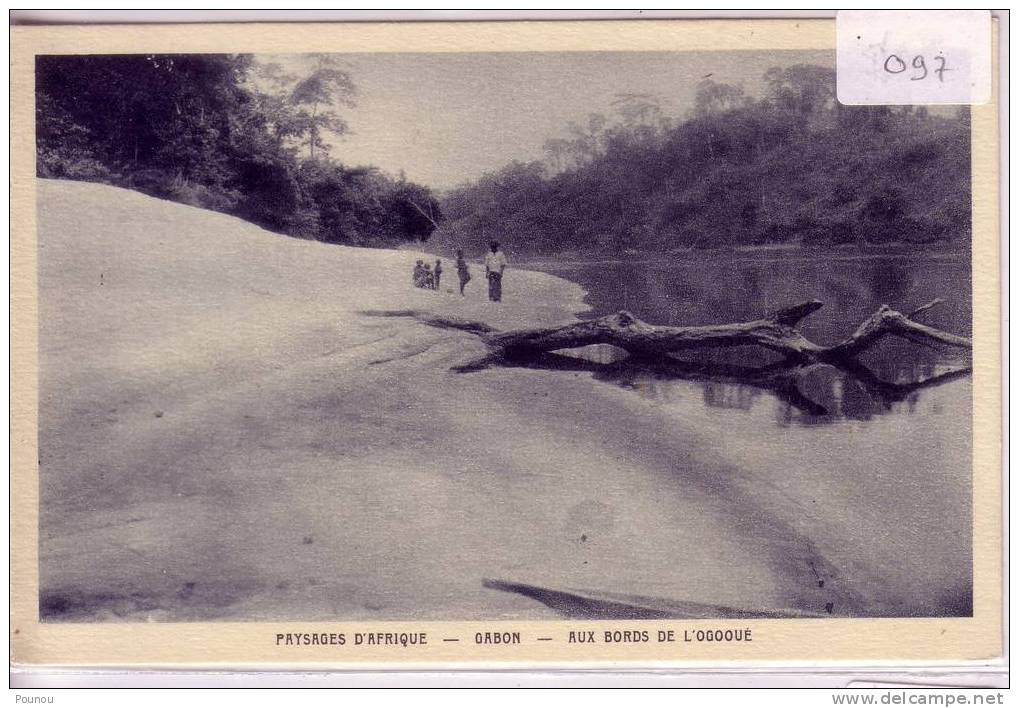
(429, 278)
(437, 273)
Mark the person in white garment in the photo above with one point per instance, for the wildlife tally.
(495, 265)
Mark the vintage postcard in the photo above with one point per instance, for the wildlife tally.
(502, 344)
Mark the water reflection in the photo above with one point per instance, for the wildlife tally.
(889, 380)
(807, 395)
(723, 395)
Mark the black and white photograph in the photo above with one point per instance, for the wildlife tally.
(486, 336)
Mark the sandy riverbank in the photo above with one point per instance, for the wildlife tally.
(223, 435)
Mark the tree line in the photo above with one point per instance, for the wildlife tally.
(793, 166)
(224, 132)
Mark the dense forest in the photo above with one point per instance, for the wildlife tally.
(793, 166)
(223, 132)
(252, 139)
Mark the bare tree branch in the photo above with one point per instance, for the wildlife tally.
(424, 213)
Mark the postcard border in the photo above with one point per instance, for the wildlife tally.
(798, 642)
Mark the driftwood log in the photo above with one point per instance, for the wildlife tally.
(650, 349)
(776, 332)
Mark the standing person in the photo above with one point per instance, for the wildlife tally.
(462, 270)
(419, 274)
(437, 272)
(495, 265)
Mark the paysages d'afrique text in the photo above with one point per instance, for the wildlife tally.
(578, 636)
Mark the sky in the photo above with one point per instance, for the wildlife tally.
(445, 119)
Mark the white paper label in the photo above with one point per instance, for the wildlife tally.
(887, 57)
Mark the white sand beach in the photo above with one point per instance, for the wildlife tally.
(225, 435)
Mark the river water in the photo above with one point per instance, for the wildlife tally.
(885, 469)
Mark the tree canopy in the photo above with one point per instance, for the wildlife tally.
(791, 167)
(227, 133)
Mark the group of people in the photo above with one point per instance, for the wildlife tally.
(429, 277)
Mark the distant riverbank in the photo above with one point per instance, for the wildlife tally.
(758, 254)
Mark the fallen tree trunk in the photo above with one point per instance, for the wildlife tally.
(650, 347)
(623, 330)
(776, 332)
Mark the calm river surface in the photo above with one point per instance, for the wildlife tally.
(890, 466)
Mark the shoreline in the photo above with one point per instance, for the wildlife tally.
(789, 254)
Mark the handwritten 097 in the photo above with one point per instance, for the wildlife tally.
(917, 67)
